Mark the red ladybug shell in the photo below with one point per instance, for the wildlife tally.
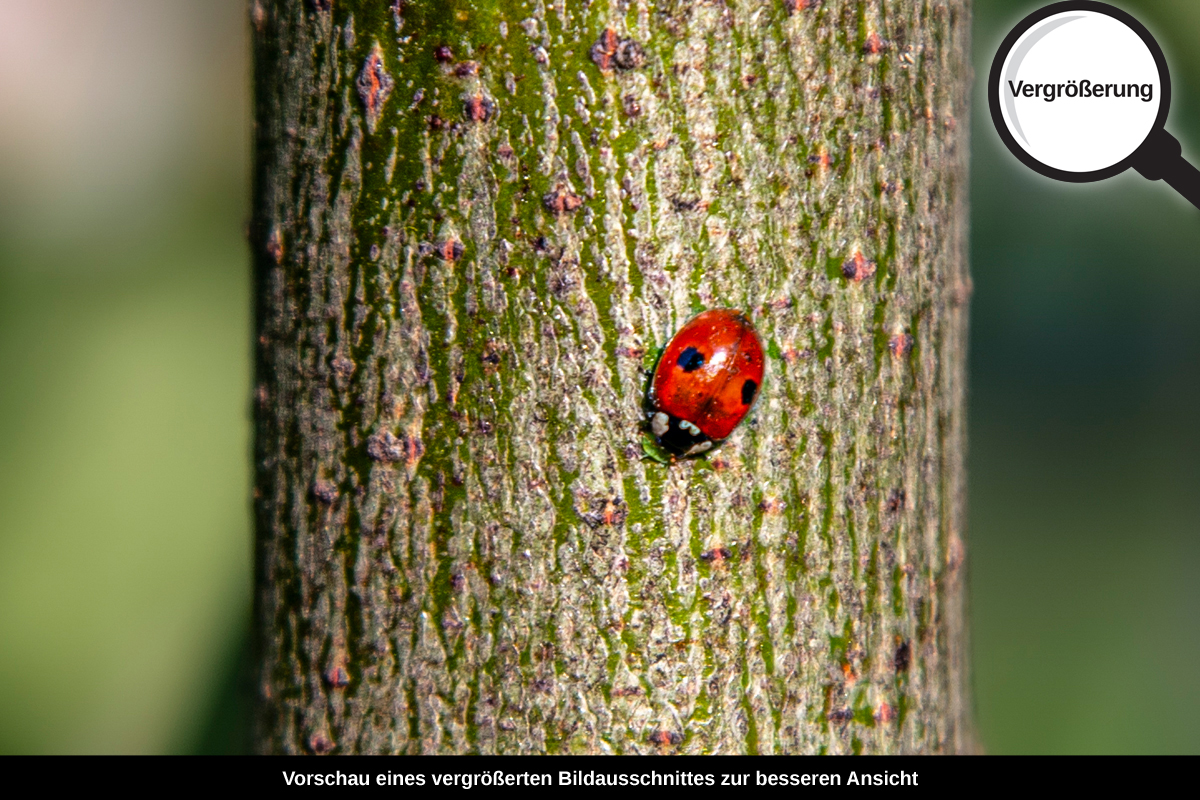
(706, 381)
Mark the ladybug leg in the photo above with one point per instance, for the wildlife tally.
(659, 423)
(680, 437)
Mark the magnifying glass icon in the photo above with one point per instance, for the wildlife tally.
(1079, 91)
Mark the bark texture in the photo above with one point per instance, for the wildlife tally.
(476, 223)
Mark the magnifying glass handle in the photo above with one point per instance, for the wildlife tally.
(1160, 158)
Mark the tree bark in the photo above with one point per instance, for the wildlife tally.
(476, 224)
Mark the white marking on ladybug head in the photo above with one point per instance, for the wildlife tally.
(699, 448)
(689, 427)
(659, 423)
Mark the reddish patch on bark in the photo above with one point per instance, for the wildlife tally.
(885, 713)
(450, 250)
(874, 44)
(896, 501)
(666, 738)
(321, 744)
(771, 506)
(800, 5)
(791, 354)
(604, 49)
(823, 160)
(611, 51)
(955, 553)
(387, 448)
(275, 245)
(325, 492)
(900, 345)
(414, 448)
(717, 556)
(479, 108)
(562, 201)
(258, 16)
(610, 511)
(848, 674)
(858, 267)
(374, 85)
(443, 54)
(337, 677)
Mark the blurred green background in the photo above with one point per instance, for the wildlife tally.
(125, 371)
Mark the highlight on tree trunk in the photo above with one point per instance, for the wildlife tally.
(477, 222)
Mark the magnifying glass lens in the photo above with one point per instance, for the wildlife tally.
(1080, 91)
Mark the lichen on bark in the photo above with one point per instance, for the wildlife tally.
(475, 225)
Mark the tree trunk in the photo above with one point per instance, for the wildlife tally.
(476, 224)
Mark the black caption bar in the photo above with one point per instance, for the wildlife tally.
(546, 776)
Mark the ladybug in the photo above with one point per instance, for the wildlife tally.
(705, 383)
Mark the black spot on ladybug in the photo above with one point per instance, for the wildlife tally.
(691, 359)
(748, 390)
